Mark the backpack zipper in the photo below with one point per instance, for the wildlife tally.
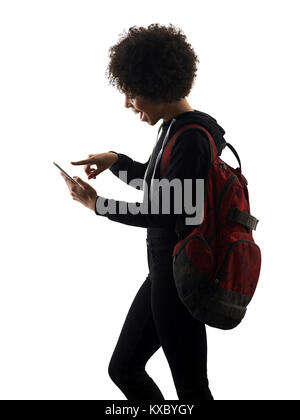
(222, 193)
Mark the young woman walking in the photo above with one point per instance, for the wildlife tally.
(155, 67)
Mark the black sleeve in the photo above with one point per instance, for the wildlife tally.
(190, 159)
(125, 163)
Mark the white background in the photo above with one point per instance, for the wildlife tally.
(68, 276)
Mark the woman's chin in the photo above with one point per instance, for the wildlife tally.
(145, 118)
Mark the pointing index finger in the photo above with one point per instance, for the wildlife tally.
(82, 162)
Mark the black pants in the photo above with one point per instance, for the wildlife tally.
(158, 318)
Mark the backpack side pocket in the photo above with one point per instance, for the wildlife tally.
(235, 283)
(193, 267)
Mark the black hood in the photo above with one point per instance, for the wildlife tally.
(198, 117)
(168, 128)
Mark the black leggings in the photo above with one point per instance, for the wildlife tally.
(158, 318)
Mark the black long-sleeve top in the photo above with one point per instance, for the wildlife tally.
(190, 159)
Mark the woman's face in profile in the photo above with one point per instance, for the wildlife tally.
(151, 113)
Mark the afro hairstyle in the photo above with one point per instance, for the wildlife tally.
(155, 62)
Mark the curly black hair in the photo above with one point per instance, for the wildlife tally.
(155, 63)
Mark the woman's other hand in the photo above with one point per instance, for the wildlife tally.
(102, 161)
(84, 193)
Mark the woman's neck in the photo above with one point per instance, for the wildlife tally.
(176, 108)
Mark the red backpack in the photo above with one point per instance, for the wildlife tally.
(217, 266)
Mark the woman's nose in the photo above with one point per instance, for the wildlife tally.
(127, 102)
